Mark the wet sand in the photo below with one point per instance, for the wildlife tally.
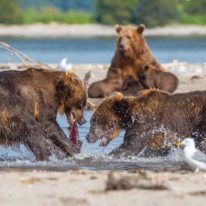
(83, 187)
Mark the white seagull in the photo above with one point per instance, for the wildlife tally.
(64, 65)
(194, 158)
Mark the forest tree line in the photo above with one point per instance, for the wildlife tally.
(150, 12)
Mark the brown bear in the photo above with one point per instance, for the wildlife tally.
(153, 121)
(132, 53)
(30, 100)
(108, 85)
(150, 77)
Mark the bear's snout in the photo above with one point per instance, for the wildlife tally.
(121, 47)
(79, 116)
(90, 138)
(104, 141)
(81, 121)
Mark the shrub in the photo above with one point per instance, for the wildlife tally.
(10, 13)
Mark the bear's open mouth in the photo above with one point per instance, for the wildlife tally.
(71, 118)
(104, 141)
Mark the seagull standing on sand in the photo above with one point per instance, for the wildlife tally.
(193, 157)
(64, 65)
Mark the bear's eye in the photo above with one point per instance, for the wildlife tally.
(102, 121)
(142, 76)
(79, 105)
(128, 37)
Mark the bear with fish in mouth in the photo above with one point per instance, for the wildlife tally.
(154, 121)
(132, 53)
(30, 100)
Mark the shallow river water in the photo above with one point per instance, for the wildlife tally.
(100, 50)
(92, 156)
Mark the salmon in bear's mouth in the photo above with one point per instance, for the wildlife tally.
(73, 130)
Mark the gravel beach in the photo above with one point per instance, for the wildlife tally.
(55, 30)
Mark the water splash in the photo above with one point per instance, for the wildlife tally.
(91, 157)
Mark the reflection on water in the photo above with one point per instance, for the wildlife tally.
(100, 50)
(92, 156)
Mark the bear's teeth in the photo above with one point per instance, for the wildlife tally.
(104, 142)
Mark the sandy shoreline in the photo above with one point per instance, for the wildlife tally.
(83, 187)
(55, 30)
(102, 188)
(192, 76)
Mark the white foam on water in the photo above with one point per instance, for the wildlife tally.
(23, 158)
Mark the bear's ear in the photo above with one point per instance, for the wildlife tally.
(118, 96)
(120, 104)
(146, 67)
(121, 107)
(140, 28)
(118, 28)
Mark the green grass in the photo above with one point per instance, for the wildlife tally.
(51, 14)
(195, 19)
